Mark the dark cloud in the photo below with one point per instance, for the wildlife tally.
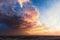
(16, 18)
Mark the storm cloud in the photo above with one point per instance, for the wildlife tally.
(14, 17)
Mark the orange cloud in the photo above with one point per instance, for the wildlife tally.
(30, 14)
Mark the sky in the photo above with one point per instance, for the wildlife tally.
(49, 13)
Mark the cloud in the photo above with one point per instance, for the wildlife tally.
(21, 2)
(15, 17)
